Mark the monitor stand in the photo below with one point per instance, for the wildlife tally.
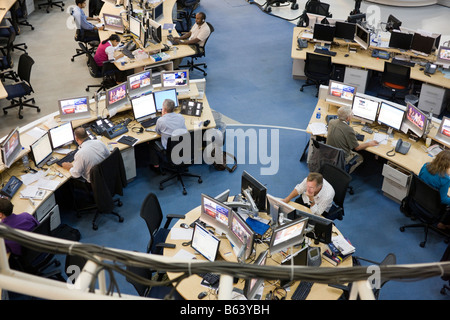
(390, 132)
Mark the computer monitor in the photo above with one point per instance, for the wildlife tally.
(362, 37)
(313, 19)
(74, 109)
(116, 97)
(205, 243)
(275, 206)
(240, 235)
(135, 26)
(393, 23)
(215, 214)
(340, 94)
(400, 40)
(288, 235)
(143, 107)
(113, 23)
(443, 56)
(357, 18)
(415, 121)
(157, 11)
(139, 83)
(251, 286)
(391, 116)
(324, 33)
(443, 133)
(41, 150)
(162, 95)
(321, 227)
(61, 135)
(155, 31)
(422, 44)
(253, 190)
(345, 30)
(10, 147)
(364, 108)
(223, 196)
(178, 79)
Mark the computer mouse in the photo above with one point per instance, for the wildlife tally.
(421, 69)
(206, 123)
(184, 225)
(202, 294)
(346, 55)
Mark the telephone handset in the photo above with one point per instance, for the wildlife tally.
(130, 45)
(402, 146)
(430, 68)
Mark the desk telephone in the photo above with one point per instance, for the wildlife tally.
(130, 45)
(101, 125)
(402, 146)
(430, 68)
(191, 108)
(302, 43)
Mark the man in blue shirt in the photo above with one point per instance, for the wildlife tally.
(89, 31)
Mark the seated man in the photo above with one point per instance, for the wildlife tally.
(341, 135)
(314, 192)
(89, 31)
(23, 221)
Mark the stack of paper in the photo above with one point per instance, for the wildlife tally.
(343, 245)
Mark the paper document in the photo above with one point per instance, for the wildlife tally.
(342, 244)
(318, 128)
(382, 138)
(181, 234)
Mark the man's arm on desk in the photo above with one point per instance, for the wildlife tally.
(365, 145)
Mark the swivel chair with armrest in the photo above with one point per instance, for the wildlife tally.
(50, 3)
(425, 204)
(185, 14)
(270, 3)
(396, 79)
(86, 45)
(106, 72)
(7, 39)
(20, 14)
(314, 7)
(318, 70)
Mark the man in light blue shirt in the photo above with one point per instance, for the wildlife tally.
(89, 31)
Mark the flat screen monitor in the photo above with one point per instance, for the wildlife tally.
(443, 133)
(11, 147)
(139, 83)
(288, 235)
(113, 22)
(362, 37)
(143, 107)
(215, 214)
(255, 189)
(400, 40)
(324, 33)
(422, 44)
(240, 235)
(393, 23)
(205, 243)
(322, 227)
(365, 109)
(356, 18)
(116, 97)
(340, 93)
(415, 121)
(157, 11)
(252, 286)
(178, 79)
(313, 19)
(162, 95)
(74, 109)
(61, 135)
(41, 150)
(155, 31)
(345, 30)
(135, 26)
(275, 206)
(390, 115)
(443, 56)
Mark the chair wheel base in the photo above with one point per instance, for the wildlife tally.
(402, 229)
(422, 244)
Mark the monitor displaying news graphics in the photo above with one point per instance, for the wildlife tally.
(113, 23)
(253, 191)
(178, 79)
(41, 150)
(288, 235)
(443, 133)
(162, 95)
(345, 30)
(135, 26)
(340, 94)
(215, 214)
(321, 227)
(362, 37)
(139, 83)
(400, 40)
(443, 57)
(422, 44)
(10, 147)
(61, 135)
(241, 236)
(324, 33)
(74, 109)
(116, 97)
(391, 115)
(364, 108)
(313, 19)
(205, 243)
(414, 121)
(252, 286)
(278, 209)
(143, 107)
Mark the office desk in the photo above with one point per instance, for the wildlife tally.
(189, 288)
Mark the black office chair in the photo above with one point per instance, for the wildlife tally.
(107, 72)
(425, 204)
(315, 7)
(170, 164)
(6, 66)
(86, 46)
(152, 214)
(21, 14)
(318, 69)
(200, 52)
(108, 178)
(185, 14)
(8, 38)
(50, 3)
(271, 3)
(340, 181)
(18, 91)
(396, 79)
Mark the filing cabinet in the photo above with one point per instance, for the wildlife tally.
(396, 181)
(433, 99)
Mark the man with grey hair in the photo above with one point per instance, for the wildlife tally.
(341, 135)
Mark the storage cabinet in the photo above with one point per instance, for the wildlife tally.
(396, 181)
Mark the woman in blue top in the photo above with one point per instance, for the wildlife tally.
(436, 174)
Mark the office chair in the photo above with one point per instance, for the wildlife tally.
(270, 3)
(86, 46)
(425, 204)
(318, 69)
(21, 14)
(179, 170)
(7, 39)
(315, 7)
(152, 214)
(6, 66)
(200, 52)
(340, 181)
(50, 3)
(396, 79)
(185, 13)
(108, 178)
(106, 72)
(19, 90)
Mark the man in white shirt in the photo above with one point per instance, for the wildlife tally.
(314, 192)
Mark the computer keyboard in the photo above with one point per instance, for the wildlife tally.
(67, 158)
(403, 62)
(149, 122)
(211, 278)
(128, 53)
(324, 51)
(302, 290)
